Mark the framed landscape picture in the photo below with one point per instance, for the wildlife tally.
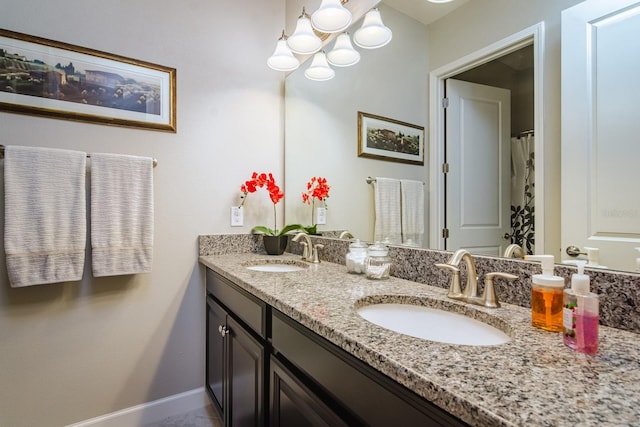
(388, 139)
(48, 78)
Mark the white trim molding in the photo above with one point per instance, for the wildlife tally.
(150, 412)
(533, 35)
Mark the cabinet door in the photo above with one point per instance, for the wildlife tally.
(246, 371)
(294, 405)
(215, 355)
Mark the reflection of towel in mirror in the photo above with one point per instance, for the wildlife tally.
(121, 214)
(412, 205)
(45, 215)
(387, 209)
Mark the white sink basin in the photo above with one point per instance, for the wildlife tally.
(433, 324)
(276, 266)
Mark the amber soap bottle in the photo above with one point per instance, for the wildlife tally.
(547, 294)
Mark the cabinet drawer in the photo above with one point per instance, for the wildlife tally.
(371, 396)
(242, 304)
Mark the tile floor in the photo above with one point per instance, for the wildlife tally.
(203, 417)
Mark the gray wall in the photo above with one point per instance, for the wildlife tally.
(73, 351)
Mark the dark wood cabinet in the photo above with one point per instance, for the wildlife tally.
(235, 364)
(368, 397)
(293, 404)
(216, 355)
(264, 368)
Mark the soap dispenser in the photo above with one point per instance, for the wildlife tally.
(546, 296)
(638, 260)
(581, 314)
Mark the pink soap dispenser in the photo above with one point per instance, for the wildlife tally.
(580, 314)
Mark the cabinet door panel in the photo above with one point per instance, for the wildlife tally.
(294, 405)
(215, 354)
(246, 377)
(374, 398)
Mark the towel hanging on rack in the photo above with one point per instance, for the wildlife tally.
(121, 214)
(387, 227)
(412, 203)
(45, 215)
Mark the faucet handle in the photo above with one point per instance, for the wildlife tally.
(489, 296)
(454, 285)
(316, 248)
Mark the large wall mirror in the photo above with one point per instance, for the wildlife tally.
(321, 122)
(321, 133)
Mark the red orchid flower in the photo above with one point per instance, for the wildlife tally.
(317, 188)
(260, 180)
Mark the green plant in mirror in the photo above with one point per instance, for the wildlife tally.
(287, 229)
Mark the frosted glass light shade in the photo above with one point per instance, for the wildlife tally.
(282, 58)
(319, 69)
(331, 17)
(343, 54)
(304, 41)
(373, 33)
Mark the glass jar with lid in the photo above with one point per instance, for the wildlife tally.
(356, 256)
(378, 262)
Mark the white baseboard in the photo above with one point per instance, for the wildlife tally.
(150, 412)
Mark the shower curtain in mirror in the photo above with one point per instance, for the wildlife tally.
(522, 192)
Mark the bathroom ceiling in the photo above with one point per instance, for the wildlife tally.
(423, 10)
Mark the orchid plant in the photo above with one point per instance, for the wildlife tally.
(260, 180)
(317, 189)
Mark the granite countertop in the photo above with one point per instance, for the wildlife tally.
(532, 380)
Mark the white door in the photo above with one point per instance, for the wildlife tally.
(601, 130)
(478, 154)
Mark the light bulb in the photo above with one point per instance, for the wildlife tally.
(331, 17)
(343, 54)
(373, 33)
(282, 58)
(319, 69)
(304, 41)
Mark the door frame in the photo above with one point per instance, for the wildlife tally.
(533, 35)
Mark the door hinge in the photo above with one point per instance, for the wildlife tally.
(445, 233)
(445, 102)
(445, 168)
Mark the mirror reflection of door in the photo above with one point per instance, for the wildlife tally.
(513, 221)
(600, 128)
(477, 183)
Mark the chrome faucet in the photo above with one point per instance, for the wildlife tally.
(346, 235)
(471, 288)
(470, 294)
(514, 251)
(309, 250)
(307, 246)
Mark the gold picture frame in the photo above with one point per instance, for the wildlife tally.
(388, 139)
(53, 79)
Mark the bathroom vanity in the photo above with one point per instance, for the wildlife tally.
(258, 357)
(289, 348)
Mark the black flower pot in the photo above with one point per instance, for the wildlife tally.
(275, 245)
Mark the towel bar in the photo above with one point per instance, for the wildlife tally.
(155, 161)
(372, 180)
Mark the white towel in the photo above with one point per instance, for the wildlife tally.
(412, 205)
(45, 215)
(121, 214)
(387, 209)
